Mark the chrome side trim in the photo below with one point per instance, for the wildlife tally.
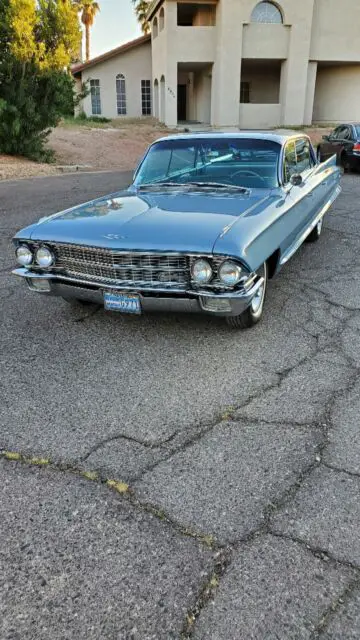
(297, 244)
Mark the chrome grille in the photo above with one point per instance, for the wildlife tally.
(141, 270)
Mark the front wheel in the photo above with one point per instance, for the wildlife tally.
(253, 313)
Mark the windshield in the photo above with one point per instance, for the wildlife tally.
(243, 162)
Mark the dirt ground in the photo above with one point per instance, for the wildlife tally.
(117, 145)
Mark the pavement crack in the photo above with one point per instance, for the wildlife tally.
(354, 474)
(116, 485)
(318, 552)
(121, 436)
(335, 605)
(206, 591)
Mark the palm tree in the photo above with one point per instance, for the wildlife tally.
(141, 9)
(88, 10)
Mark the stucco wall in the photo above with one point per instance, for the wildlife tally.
(265, 41)
(335, 33)
(135, 65)
(202, 95)
(259, 116)
(337, 94)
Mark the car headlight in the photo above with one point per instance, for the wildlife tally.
(201, 271)
(230, 273)
(44, 257)
(24, 255)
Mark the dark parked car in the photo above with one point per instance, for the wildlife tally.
(344, 141)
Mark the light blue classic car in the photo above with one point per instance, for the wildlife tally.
(208, 219)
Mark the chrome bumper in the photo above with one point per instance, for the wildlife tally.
(233, 303)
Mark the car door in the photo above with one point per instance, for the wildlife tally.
(346, 157)
(302, 201)
(335, 143)
(297, 199)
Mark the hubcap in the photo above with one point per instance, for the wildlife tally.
(258, 299)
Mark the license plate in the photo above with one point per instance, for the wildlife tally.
(123, 302)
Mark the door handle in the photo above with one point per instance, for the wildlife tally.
(309, 195)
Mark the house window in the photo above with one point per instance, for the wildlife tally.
(146, 97)
(121, 95)
(245, 92)
(95, 97)
(155, 29)
(267, 12)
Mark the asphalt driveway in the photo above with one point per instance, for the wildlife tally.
(166, 477)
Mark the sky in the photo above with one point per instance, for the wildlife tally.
(115, 24)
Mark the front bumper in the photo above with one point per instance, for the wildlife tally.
(220, 304)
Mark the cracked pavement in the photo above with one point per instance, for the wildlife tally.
(166, 477)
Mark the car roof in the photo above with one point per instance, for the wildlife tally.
(280, 135)
(348, 124)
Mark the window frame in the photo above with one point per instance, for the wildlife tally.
(244, 91)
(305, 172)
(95, 96)
(121, 102)
(146, 98)
(268, 3)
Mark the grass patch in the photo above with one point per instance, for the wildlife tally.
(106, 123)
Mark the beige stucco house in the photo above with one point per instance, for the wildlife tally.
(235, 63)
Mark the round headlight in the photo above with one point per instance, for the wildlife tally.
(201, 271)
(44, 257)
(23, 255)
(230, 273)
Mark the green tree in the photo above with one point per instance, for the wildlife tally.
(88, 10)
(141, 9)
(46, 31)
(38, 40)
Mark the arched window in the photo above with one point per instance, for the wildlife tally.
(161, 19)
(162, 99)
(121, 94)
(155, 27)
(267, 12)
(156, 98)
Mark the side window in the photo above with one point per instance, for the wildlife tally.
(304, 159)
(340, 133)
(347, 134)
(334, 134)
(290, 166)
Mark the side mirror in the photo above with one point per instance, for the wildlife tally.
(325, 138)
(296, 180)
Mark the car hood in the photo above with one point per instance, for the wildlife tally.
(168, 221)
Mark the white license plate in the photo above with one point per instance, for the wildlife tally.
(123, 302)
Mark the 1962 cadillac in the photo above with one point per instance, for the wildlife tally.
(208, 219)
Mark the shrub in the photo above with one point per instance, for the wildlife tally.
(31, 102)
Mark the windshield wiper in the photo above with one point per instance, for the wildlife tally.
(218, 185)
(198, 185)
